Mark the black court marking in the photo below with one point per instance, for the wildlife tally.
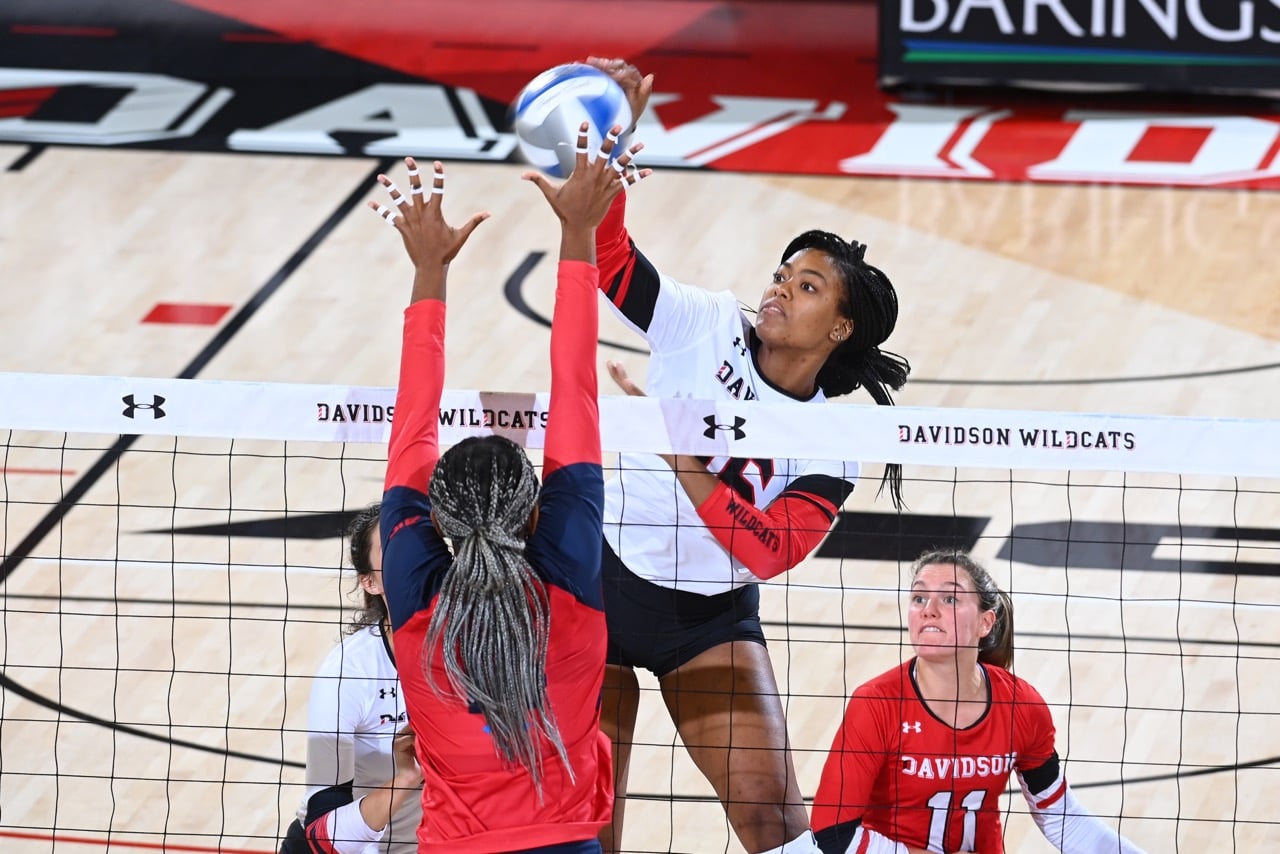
(513, 291)
(78, 490)
(839, 628)
(202, 359)
(24, 159)
(514, 296)
(67, 712)
(1097, 784)
(1147, 378)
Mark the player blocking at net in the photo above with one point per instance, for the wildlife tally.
(926, 749)
(500, 644)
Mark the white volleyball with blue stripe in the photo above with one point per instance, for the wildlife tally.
(548, 112)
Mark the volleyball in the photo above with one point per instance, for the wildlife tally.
(549, 110)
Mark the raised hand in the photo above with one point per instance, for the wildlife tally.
(583, 200)
(635, 86)
(428, 238)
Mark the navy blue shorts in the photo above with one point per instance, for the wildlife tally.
(586, 846)
(659, 628)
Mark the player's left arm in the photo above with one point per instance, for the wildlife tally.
(1063, 820)
(770, 540)
(566, 542)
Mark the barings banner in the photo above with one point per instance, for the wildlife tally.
(1164, 45)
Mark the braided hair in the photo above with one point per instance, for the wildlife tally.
(360, 534)
(997, 647)
(492, 615)
(869, 300)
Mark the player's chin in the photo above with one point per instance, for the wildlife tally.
(932, 645)
(771, 328)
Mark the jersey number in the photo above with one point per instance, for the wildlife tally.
(941, 806)
(734, 475)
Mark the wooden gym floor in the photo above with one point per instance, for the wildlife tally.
(1007, 290)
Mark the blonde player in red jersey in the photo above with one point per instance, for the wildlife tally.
(925, 749)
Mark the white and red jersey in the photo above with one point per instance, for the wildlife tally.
(355, 709)
(897, 770)
(768, 515)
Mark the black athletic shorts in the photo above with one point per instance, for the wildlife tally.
(659, 629)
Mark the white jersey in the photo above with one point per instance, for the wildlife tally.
(355, 709)
(701, 346)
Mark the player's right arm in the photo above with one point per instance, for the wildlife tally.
(858, 752)
(667, 313)
(1063, 820)
(411, 547)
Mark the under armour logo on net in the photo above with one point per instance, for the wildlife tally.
(131, 406)
(736, 427)
(911, 727)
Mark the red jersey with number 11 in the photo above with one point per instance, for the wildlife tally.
(912, 778)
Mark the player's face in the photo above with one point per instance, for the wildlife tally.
(801, 308)
(943, 613)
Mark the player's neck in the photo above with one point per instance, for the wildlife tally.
(792, 371)
(954, 690)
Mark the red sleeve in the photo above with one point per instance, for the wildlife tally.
(415, 426)
(857, 754)
(573, 422)
(613, 244)
(768, 542)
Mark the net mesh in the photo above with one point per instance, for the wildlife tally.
(171, 554)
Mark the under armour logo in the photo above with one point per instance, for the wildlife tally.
(736, 427)
(131, 406)
(386, 692)
(742, 348)
(911, 727)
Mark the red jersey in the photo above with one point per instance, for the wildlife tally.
(473, 800)
(898, 770)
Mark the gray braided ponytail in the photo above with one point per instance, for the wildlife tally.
(492, 616)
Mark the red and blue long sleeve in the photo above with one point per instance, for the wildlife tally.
(566, 545)
(415, 430)
(411, 547)
(573, 423)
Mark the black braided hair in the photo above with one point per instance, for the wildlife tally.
(870, 301)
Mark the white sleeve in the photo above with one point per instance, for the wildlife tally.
(348, 832)
(333, 716)
(1071, 828)
(875, 843)
(681, 314)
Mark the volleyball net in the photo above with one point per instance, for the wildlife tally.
(171, 581)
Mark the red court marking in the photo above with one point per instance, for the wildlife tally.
(117, 843)
(59, 472)
(1169, 145)
(199, 314)
(56, 30)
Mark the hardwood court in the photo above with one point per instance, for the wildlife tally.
(1148, 300)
